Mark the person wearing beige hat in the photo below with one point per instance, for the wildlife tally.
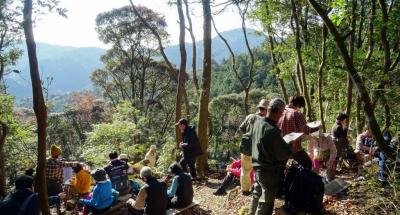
(245, 146)
(151, 156)
(54, 171)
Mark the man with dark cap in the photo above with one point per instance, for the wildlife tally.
(190, 146)
(24, 200)
(269, 155)
(245, 146)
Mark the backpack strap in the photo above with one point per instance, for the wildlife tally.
(25, 204)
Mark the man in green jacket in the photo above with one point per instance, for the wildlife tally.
(245, 146)
(269, 155)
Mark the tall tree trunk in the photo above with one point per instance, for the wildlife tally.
(349, 97)
(357, 81)
(300, 62)
(388, 115)
(296, 85)
(194, 51)
(201, 162)
(320, 77)
(359, 119)
(182, 69)
(38, 106)
(251, 66)
(3, 137)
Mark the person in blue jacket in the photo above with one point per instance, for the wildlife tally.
(102, 197)
(180, 193)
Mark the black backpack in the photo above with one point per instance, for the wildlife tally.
(304, 190)
(27, 201)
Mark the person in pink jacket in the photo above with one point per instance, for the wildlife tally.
(322, 152)
(232, 176)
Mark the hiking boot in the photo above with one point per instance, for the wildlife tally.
(219, 192)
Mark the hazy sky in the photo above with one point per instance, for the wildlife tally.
(78, 29)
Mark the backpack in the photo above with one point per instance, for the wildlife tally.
(245, 146)
(304, 190)
(119, 178)
(27, 201)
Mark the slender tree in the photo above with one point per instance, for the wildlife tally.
(194, 51)
(39, 107)
(3, 136)
(201, 162)
(182, 69)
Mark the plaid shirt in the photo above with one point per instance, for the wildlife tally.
(294, 121)
(54, 169)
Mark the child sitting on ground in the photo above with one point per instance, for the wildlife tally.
(82, 180)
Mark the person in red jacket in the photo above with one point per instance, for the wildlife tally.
(232, 176)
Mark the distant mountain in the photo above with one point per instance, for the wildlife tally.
(235, 39)
(70, 67)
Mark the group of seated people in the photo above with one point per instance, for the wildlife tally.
(151, 197)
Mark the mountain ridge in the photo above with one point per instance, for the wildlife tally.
(70, 67)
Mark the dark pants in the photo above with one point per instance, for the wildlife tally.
(53, 188)
(303, 159)
(228, 182)
(265, 189)
(191, 163)
(95, 211)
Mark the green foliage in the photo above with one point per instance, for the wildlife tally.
(167, 155)
(20, 147)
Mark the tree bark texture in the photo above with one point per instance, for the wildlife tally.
(351, 50)
(201, 162)
(300, 62)
(320, 77)
(194, 51)
(182, 70)
(39, 107)
(3, 137)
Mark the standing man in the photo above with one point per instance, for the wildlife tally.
(54, 171)
(245, 146)
(190, 146)
(270, 153)
(293, 120)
